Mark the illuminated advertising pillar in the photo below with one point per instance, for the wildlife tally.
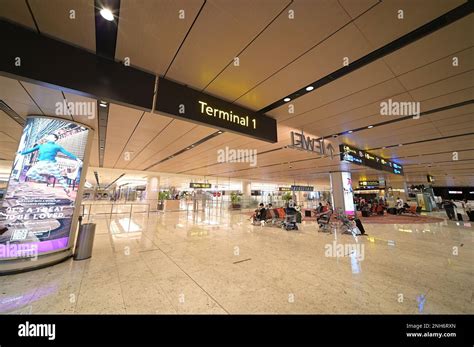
(342, 192)
(39, 214)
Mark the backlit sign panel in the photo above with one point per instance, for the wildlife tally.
(37, 213)
(302, 188)
(199, 185)
(360, 157)
(189, 104)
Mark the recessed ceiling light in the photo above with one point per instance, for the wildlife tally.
(101, 147)
(350, 131)
(309, 88)
(400, 145)
(102, 105)
(107, 14)
(219, 132)
(286, 99)
(335, 135)
(384, 147)
(370, 126)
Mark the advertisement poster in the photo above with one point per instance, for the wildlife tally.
(348, 193)
(36, 214)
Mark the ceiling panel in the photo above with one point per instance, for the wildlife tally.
(284, 40)
(438, 45)
(356, 7)
(16, 11)
(150, 126)
(324, 59)
(382, 24)
(120, 124)
(174, 130)
(150, 32)
(223, 29)
(54, 18)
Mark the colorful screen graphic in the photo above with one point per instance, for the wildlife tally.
(36, 214)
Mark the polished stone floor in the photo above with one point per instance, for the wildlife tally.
(217, 262)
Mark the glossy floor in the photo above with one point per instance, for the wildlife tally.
(216, 262)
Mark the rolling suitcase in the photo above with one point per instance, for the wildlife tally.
(359, 225)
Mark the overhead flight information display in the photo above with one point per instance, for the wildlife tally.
(360, 157)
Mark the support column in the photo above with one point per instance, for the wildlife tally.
(152, 190)
(342, 192)
(405, 188)
(246, 188)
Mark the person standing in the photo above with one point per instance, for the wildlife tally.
(46, 164)
(449, 208)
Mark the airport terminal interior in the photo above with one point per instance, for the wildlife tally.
(237, 157)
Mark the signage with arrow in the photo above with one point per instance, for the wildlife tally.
(306, 143)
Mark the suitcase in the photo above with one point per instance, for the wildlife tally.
(359, 225)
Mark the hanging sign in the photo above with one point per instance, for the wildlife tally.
(189, 104)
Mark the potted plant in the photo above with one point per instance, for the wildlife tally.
(287, 197)
(162, 196)
(235, 200)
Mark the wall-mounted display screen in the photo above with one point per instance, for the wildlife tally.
(360, 157)
(36, 214)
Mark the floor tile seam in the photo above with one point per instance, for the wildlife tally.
(190, 277)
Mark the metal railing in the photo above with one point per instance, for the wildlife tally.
(115, 208)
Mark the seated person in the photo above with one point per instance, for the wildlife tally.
(319, 209)
(259, 214)
(399, 206)
(290, 207)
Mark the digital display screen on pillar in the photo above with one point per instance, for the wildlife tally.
(360, 157)
(36, 214)
(348, 193)
(189, 104)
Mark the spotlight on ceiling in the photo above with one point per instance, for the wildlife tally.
(350, 131)
(309, 88)
(370, 126)
(219, 132)
(107, 14)
(286, 99)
